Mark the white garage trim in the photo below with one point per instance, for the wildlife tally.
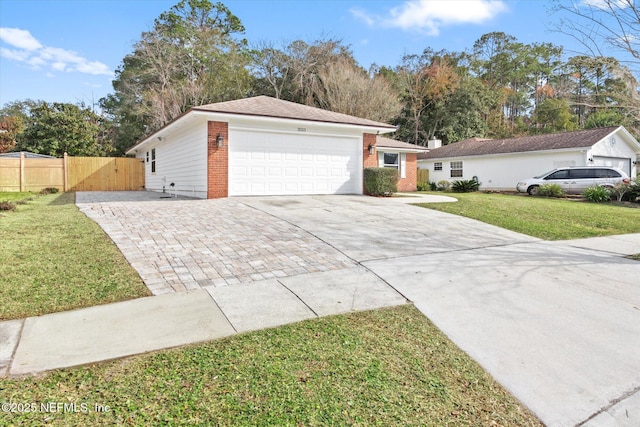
(290, 163)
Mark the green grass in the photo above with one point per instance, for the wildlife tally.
(54, 258)
(388, 367)
(545, 218)
(15, 196)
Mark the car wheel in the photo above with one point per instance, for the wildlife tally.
(533, 190)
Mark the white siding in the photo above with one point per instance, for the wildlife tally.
(181, 158)
(614, 151)
(502, 172)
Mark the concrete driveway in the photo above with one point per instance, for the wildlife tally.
(557, 323)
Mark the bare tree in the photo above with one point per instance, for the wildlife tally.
(348, 89)
(599, 25)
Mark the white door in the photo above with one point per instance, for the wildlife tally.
(265, 163)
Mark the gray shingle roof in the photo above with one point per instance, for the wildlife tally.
(552, 141)
(382, 142)
(266, 106)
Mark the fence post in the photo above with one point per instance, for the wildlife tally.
(21, 170)
(65, 171)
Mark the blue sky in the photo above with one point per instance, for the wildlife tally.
(67, 51)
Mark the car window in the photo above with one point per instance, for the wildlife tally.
(561, 174)
(607, 173)
(543, 175)
(582, 173)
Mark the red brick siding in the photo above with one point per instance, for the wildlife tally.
(368, 160)
(217, 161)
(410, 182)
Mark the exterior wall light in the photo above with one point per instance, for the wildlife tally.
(220, 141)
(372, 149)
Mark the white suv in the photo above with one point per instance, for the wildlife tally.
(575, 180)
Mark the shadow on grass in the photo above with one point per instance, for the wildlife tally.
(63, 199)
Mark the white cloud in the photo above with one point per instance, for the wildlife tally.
(14, 55)
(606, 4)
(19, 38)
(32, 52)
(428, 16)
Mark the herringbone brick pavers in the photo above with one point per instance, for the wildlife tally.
(180, 245)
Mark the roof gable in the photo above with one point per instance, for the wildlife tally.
(553, 141)
(266, 106)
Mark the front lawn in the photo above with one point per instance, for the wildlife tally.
(54, 258)
(383, 367)
(15, 196)
(546, 218)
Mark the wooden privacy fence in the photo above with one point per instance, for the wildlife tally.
(72, 174)
(423, 176)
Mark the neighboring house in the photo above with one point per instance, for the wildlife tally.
(499, 164)
(27, 155)
(267, 146)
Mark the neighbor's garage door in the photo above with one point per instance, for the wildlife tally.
(616, 162)
(264, 163)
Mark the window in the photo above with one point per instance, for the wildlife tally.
(391, 160)
(147, 157)
(561, 174)
(607, 173)
(437, 166)
(153, 160)
(396, 161)
(456, 169)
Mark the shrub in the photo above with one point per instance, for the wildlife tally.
(619, 190)
(633, 193)
(49, 190)
(7, 206)
(443, 185)
(597, 194)
(465, 186)
(550, 190)
(423, 186)
(380, 181)
(433, 186)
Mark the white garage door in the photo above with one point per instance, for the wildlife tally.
(616, 162)
(263, 163)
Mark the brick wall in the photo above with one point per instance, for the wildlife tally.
(217, 160)
(368, 160)
(410, 182)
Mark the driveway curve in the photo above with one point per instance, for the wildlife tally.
(557, 323)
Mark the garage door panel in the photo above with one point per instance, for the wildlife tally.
(293, 164)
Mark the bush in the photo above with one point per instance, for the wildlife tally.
(433, 186)
(49, 190)
(633, 193)
(465, 186)
(597, 194)
(619, 191)
(423, 186)
(550, 190)
(7, 206)
(380, 181)
(443, 185)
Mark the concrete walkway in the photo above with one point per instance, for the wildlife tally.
(557, 323)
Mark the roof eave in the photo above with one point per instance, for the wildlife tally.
(514, 153)
(369, 128)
